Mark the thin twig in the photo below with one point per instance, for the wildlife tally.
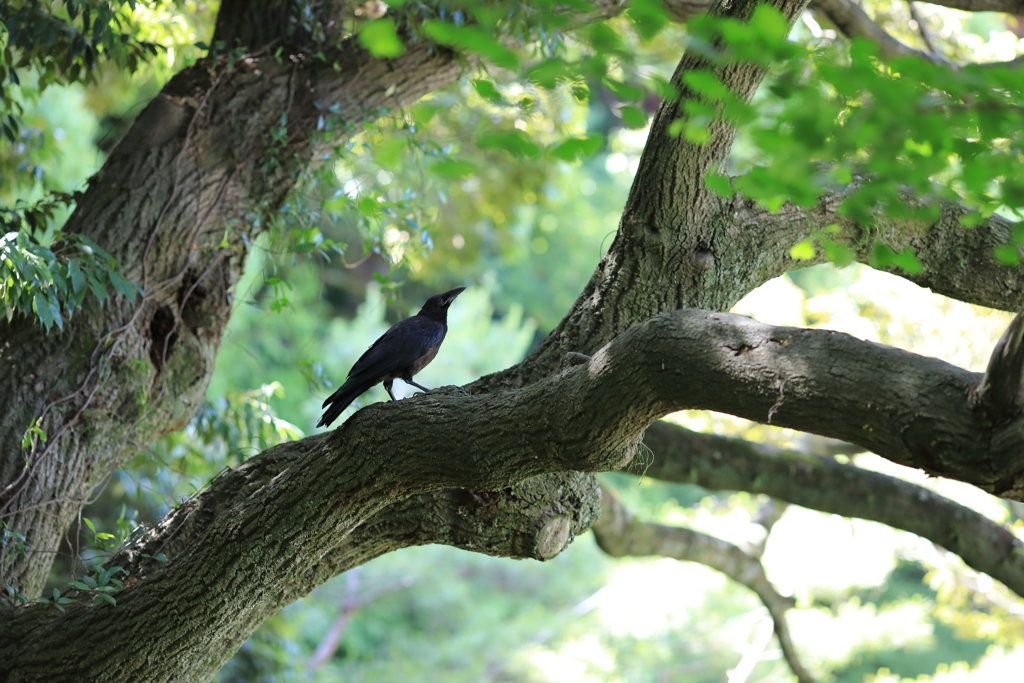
(926, 35)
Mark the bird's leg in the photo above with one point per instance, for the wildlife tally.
(407, 378)
(418, 386)
(387, 387)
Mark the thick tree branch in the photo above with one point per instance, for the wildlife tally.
(620, 535)
(956, 260)
(681, 246)
(257, 534)
(535, 518)
(821, 483)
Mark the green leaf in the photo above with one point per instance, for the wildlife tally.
(515, 142)
(1007, 254)
(423, 112)
(696, 133)
(380, 38)
(368, 206)
(388, 152)
(452, 168)
(104, 597)
(648, 17)
(47, 310)
(123, 287)
(76, 275)
(549, 73)
(770, 23)
(97, 288)
(908, 262)
(604, 39)
(838, 254)
(633, 117)
(472, 39)
(882, 257)
(488, 91)
(863, 54)
(706, 83)
(802, 251)
(577, 148)
(665, 88)
(1017, 233)
(624, 91)
(719, 184)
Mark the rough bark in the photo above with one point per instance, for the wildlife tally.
(207, 158)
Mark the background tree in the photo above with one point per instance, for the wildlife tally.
(922, 171)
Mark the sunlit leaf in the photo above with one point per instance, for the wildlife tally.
(633, 117)
(380, 38)
(577, 148)
(802, 251)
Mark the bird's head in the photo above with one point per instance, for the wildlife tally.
(439, 303)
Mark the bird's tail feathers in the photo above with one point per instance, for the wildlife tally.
(340, 400)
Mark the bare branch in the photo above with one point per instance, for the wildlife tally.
(722, 463)
(853, 21)
(956, 260)
(922, 28)
(1007, 6)
(620, 535)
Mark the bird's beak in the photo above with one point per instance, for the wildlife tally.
(448, 297)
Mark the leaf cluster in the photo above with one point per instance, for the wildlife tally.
(843, 118)
(522, 111)
(49, 281)
(64, 43)
(243, 420)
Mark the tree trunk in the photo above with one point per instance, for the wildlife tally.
(190, 180)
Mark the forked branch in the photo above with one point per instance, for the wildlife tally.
(620, 535)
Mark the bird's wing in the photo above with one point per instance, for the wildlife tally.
(398, 348)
